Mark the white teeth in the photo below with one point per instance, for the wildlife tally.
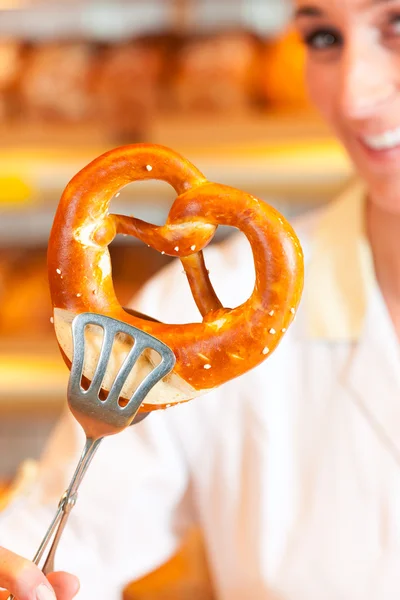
(384, 141)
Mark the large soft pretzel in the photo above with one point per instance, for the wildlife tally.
(228, 342)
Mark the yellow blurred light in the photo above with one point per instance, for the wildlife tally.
(14, 190)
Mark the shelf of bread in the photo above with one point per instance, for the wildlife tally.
(231, 100)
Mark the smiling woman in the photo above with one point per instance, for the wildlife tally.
(353, 77)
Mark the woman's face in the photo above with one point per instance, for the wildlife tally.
(353, 76)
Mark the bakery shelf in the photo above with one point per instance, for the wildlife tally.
(116, 19)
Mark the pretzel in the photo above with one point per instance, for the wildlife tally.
(228, 342)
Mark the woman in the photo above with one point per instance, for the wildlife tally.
(27, 582)
(293, 471)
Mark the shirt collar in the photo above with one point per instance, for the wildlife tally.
(340, 273)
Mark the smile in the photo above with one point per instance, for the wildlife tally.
(384, 141)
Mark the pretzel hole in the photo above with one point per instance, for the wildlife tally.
(147, 200)
(241, 283)
(133, 262)
(209, 295)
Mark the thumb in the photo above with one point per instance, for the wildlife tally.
(22, 577)
(66, 586)
(26, 581)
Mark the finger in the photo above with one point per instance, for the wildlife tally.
(23, 578)
(66, 586)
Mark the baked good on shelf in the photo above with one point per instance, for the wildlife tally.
(55, 85)
(215, 73)
(126, 85)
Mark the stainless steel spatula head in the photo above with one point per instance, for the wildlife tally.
(106, 416)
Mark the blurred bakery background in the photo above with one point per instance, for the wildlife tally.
(218, 80)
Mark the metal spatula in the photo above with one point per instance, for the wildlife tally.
(101, 417)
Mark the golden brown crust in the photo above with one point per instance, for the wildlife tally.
(228, 342)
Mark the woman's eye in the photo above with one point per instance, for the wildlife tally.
(394, 26)
(323, 40)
